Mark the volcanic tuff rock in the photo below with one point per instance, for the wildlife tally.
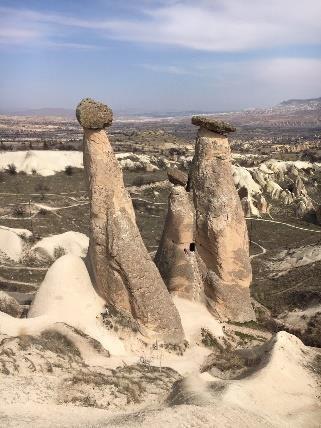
(120, 266)
(318, 214)
(214, 125)
(204, 251)
(92, 114)
(9, 305)
(176, 258)
(177, 177)
(221, 236)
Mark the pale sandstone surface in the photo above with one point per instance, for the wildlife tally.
(176, 258)
(221, 234)
(204, 251)
(120, 266)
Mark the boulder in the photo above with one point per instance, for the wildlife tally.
(177, 177)
(214, 125)
(9, 305)
(11, 245)
(92, 114)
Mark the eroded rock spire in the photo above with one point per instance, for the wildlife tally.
(120, 267)
(221, 236)
(204, 250)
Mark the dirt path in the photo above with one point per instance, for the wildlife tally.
(284, 224)
(10, 281)
(23, 267)
(263, 250)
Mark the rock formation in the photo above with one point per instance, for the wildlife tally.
(262, 204)
(299, 187)
(304, 207)
(120, 267)
(286, 197)
(177, 177)
(176, 258)
(318, 215)
(204, 250)
(246, 206)
(9, 305)
(221, 234)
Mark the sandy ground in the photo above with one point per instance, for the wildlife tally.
(282, 393)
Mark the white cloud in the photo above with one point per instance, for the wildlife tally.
(210, 25)
(225, 25)
(266, 81)
(229, 85)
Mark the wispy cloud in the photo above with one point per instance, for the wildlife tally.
(27, 27)
(170, 69)
(218, 26)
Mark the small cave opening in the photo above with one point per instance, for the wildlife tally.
(192, 247)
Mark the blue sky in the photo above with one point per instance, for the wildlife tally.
(159, 55)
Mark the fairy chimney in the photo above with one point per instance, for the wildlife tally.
(176, 257)
(221, 236)
(204, 250)
(120, 267)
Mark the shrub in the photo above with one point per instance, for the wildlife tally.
(19, 211)
(69, 170)
(59, 252)
(34, 171)
(42, 189)
(43, 211)
(11, 169)
(2, 177)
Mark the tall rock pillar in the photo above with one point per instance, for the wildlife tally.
(118, 262)
(221, 236)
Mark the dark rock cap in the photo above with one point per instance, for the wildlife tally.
(214, 125)
(93, 114)
(177, 177)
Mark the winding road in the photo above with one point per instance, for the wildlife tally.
(264, 250)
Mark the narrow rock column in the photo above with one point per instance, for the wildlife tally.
(221, 234)
(176, 257)
(118, 262)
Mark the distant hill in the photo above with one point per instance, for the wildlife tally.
(305, 104)
(292, 113)
(64, 112)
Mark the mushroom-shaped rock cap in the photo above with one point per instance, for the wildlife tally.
(214, 125)
(93, 114)
(177, 177)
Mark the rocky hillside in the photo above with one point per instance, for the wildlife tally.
(307, 104)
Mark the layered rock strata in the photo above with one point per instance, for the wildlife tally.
(120, 267)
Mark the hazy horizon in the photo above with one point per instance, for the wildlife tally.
(159, 55)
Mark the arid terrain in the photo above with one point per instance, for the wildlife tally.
(44, 215)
